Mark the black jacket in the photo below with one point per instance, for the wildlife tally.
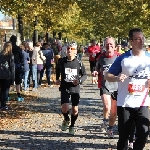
(65, 65)
(17, 52)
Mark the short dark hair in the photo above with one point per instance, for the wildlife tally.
(132, 31)
(13, 39)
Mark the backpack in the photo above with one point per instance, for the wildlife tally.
(5, 70)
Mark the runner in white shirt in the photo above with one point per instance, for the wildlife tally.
(132, 70)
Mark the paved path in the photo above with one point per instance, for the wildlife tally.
(38, 128)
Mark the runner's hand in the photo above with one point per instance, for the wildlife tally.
(95, 73)
(121, 77)
(75, 82)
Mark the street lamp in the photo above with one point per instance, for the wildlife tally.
(49, 24)
(20, 26)
(35, 34)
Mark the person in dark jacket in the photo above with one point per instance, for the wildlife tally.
(29, 50)
(18, 59)
(72, 75)
(49, 54)
(5, 82)
(26, 61)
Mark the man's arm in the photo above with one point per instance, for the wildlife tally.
(58, 68)
(83, 74)
(110, 77)
(114, 71)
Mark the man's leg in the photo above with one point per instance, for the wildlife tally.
(142, 128)
(48, 74)
(18, 81)
(5, 85)
(34, 75)
(26, 74)
(106, 98)
(74, 115)
(125, 120)
(29, 76)
(65, 109)
(106, 105)
(41, 75)
(56, 57)
(92, 68)
(131, 136)
(113, 114)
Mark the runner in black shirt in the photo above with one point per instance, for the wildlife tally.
(72, 75)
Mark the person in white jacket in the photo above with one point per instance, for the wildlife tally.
(37, 59)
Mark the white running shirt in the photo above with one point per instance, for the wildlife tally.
(133, 92)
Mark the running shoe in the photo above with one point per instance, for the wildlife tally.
(65, 125)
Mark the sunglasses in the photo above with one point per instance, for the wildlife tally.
(71, 48)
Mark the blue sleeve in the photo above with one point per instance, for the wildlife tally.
(116, 68)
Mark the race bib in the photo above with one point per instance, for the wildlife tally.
(135, 89)
(71, 74)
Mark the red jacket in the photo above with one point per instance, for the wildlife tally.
(94, 50)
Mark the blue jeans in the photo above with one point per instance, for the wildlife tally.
(34, 75)
(4, 85)
(48, 74)
(26, 74)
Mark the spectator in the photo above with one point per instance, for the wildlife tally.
(29, 49)
(37, 60)
(63, 52)
(56, 46)
(48, 53)
(80, 52)
(18, 59)
(7, 74)
(26, 59)
(92, 51)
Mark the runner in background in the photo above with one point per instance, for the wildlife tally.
(92, 51)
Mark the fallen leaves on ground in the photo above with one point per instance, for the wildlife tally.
(17, 110)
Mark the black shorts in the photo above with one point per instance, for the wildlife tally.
(92, 66)
(105, 91)
(65, 95)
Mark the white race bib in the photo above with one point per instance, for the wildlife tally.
(71, 74)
